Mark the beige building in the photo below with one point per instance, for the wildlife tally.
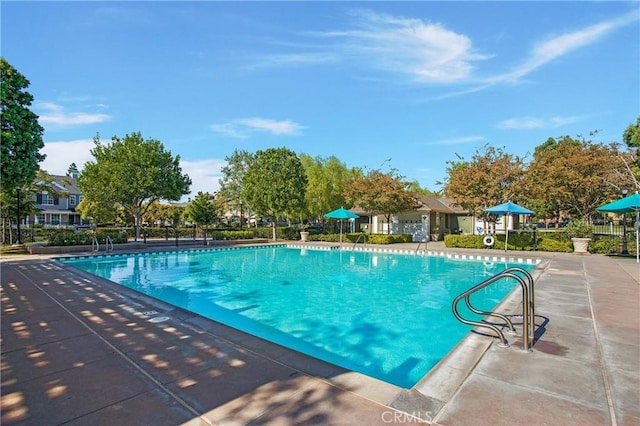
(433, 217)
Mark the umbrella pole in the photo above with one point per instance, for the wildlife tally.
(637, 231)
(506, 231)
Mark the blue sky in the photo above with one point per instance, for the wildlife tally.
(408, 85)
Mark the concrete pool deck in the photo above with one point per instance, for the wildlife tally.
(77, 349)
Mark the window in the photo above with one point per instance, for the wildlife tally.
(55, 219)
(40, 218)
(47, 199)
(72, 200)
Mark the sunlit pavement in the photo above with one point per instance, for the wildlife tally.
(77, 349)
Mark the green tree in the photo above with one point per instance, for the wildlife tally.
(491, 177)
(97, 212)
(175, 213)
(327, 180)
(573, 175)
(230, 194)
(21, 133)
(414, 186)
(201, 211)
(381, 193)
(73, 170)
(9, 201)
(631, 135)
(631, 138)
(156, 214)
(132, 173)
(274, 184)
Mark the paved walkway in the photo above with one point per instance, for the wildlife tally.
(79, 350)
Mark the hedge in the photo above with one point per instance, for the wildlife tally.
(363, 238)
(69, 237)
(557, 241)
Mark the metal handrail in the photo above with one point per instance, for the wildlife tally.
(95, 245)
(528, 324)
(530, 308)
(108, 242)
(364, 236)
(504, 318)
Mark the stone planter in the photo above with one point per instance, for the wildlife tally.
(304, 235)
(580, 245)
(435, 237)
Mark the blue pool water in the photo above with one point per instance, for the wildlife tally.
(384, 315)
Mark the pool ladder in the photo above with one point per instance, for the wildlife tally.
(95, 245)
(525, 280)
(364, 238)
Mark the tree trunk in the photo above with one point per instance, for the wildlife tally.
(273, 226)
(137, 218)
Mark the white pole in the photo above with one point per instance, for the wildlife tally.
(637, 226)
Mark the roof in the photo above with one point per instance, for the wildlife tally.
(439, 204)
(65, 183)
(428, 203)
(54, 210)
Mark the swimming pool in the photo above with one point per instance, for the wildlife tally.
(381, 314)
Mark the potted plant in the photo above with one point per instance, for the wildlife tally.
(580, 233)
(304, 234)
(435, 233)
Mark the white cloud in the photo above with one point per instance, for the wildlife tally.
(536, 122)
(229, 129)
(457, 141)
(204, 175)
(293, 59)
(558, 46)
(286, 127)
(61, 154)
(55, 115)
(240, 128)
(430, 53)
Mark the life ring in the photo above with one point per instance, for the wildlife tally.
(488, 241)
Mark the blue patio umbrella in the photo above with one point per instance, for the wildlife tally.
(341, 214)
(630, 204)
(508, 208)
(505, 209)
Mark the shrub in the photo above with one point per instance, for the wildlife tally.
(232, 235)
(116, 237)
(464, 241)
(551, 241)
(579, 228)
(331, 238)
(68, 237)
(384, 238)
(288, 232)
(551, 244)
(370, 238)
